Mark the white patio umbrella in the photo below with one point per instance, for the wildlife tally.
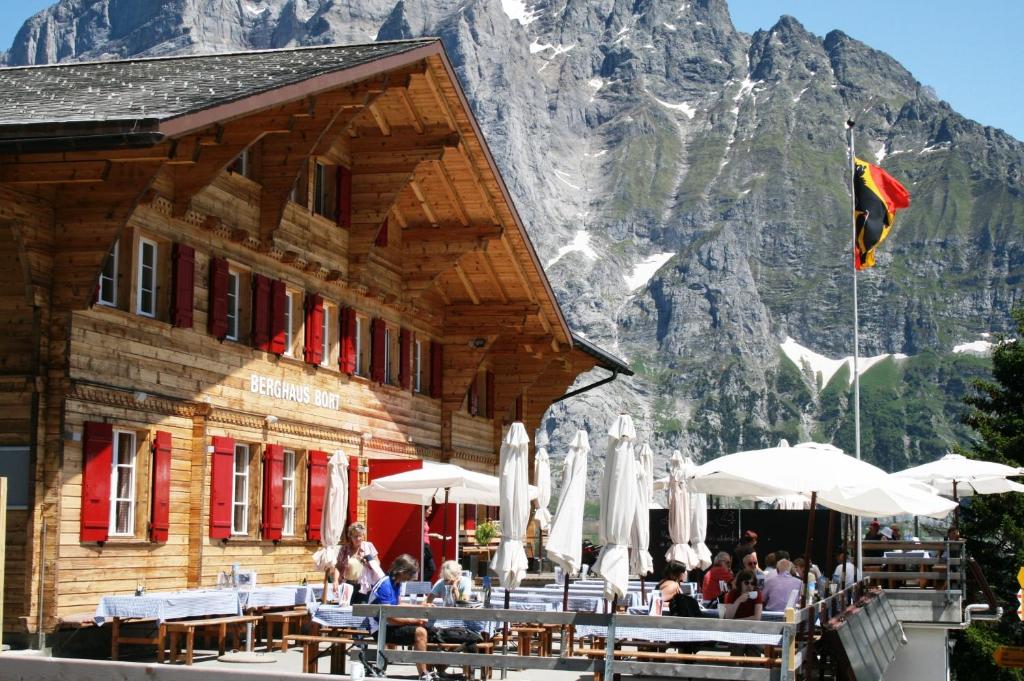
(427, 485)
(618, 503)
(891, 496)
(957, 476)
(542, 477)
(565, 540)
(699, 525)
(335, 512)
(509, 561)
(641, 563)
(679, 514)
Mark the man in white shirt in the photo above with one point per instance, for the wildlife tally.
(852, 574)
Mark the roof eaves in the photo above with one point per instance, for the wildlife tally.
(604, 358)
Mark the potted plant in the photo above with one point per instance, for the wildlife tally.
(486, 531)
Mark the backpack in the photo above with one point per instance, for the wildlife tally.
(682, 605)
(369, 662)
(467, 637)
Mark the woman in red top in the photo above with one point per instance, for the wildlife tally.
(721, 572)
(744, 601)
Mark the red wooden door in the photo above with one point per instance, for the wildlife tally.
(441, 550)
(392, 527)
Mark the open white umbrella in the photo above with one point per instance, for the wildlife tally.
(641, 563)
(957, 476)
(891, 496)
(618, 505)
(542, 477)
(335, 512)
(699, 524)
(565, 540)
(509, 561)
(427, 485)
(679, 514)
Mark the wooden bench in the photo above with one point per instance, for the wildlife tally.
(338, 645)
(485, 647)
(116, 639)
(661, 656)
(188, 627)
(285, 619)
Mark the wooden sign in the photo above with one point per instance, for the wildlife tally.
(1009, 656)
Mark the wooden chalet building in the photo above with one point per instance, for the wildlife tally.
(219, 270)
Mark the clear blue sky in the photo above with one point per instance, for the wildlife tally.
(970, 52)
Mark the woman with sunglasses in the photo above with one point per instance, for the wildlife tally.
(744, 601)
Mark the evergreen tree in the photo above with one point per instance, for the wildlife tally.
(993, 525)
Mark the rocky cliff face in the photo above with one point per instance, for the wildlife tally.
(686, 186)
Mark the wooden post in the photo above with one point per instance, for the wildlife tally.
(789, 652)
(3, 550)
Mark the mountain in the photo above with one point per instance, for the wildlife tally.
(686, 186)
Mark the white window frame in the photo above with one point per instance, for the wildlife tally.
(234, 280)
(288, 494)
(325, 335)
(111, 263)
(359, 346)
(240, 450)
(387, 354)
(131, 471)
(288, 333)
(143, 243)
(418, 366)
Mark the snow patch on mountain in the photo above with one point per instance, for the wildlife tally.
(579, 243)
(517, 11)
(825, 366)
(644, 270)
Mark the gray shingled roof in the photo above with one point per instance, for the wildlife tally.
(159, 89)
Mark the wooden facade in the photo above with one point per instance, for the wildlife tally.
(143, 328)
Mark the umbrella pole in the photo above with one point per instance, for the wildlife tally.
(643, 591)
(846, 553)
(565, 594)
(504, 634)
(323, 596)
(444, 539)
(831, 540)
(803, 597)
(956, 511)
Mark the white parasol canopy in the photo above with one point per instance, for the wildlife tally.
(618, 502)
(891, 496)
(565, 540)
(699, 525)
(332, 521)
(641, 563)
(427, 485)
(778, 471)
(970, 475)
(509, 562)
(542, 476)
(679, 514)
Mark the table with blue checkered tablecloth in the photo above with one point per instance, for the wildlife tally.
(169, 606)
(276, 596)
(680, 635)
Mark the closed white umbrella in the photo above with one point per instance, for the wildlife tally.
(335, 512)
(892, 496)
(509, 562)
(542, 477)
(679, 514)
(565, 540)
(641, 563)
(618, 504)
(699, 524)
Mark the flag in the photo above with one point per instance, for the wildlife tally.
(878, 197)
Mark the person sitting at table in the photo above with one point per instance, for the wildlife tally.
(744, 601)
(674, 601)
(777, 589)
(401, 630)
(842, 560)
(749, 562)
(451, 578)
(720, 572)
(358, 564)
(770, 562)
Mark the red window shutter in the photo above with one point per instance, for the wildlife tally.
(404, 359)
(436, 363)
(473, 398)
(519, 408)
(377, 341)
(217, 315)
(97, 459)
(273, 492)
(160, 512)
(344, 207)
(489, 406)
(314, 344)
(260, 312)
(382, 235)
(278, 300)
(183, 290)
(353, 489)
(347, 346)
(222, 474)
(317, 486)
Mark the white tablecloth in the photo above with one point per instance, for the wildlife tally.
(276, 596)
(170, 606)
(681, 635)
(341, 616)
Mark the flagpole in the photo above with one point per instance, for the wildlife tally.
(856, 331)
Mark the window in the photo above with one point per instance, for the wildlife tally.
(417, 367)
(240, 491)
(359, 346)
(241, 164)
(15, 466)
(146, 304)
(325, 190)
(233, 305)
(388, 354)
(108, 279)
(325, 332)
(288, 494)
(122, 485)
(288, 333)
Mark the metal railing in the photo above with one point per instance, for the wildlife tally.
(944, 564)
